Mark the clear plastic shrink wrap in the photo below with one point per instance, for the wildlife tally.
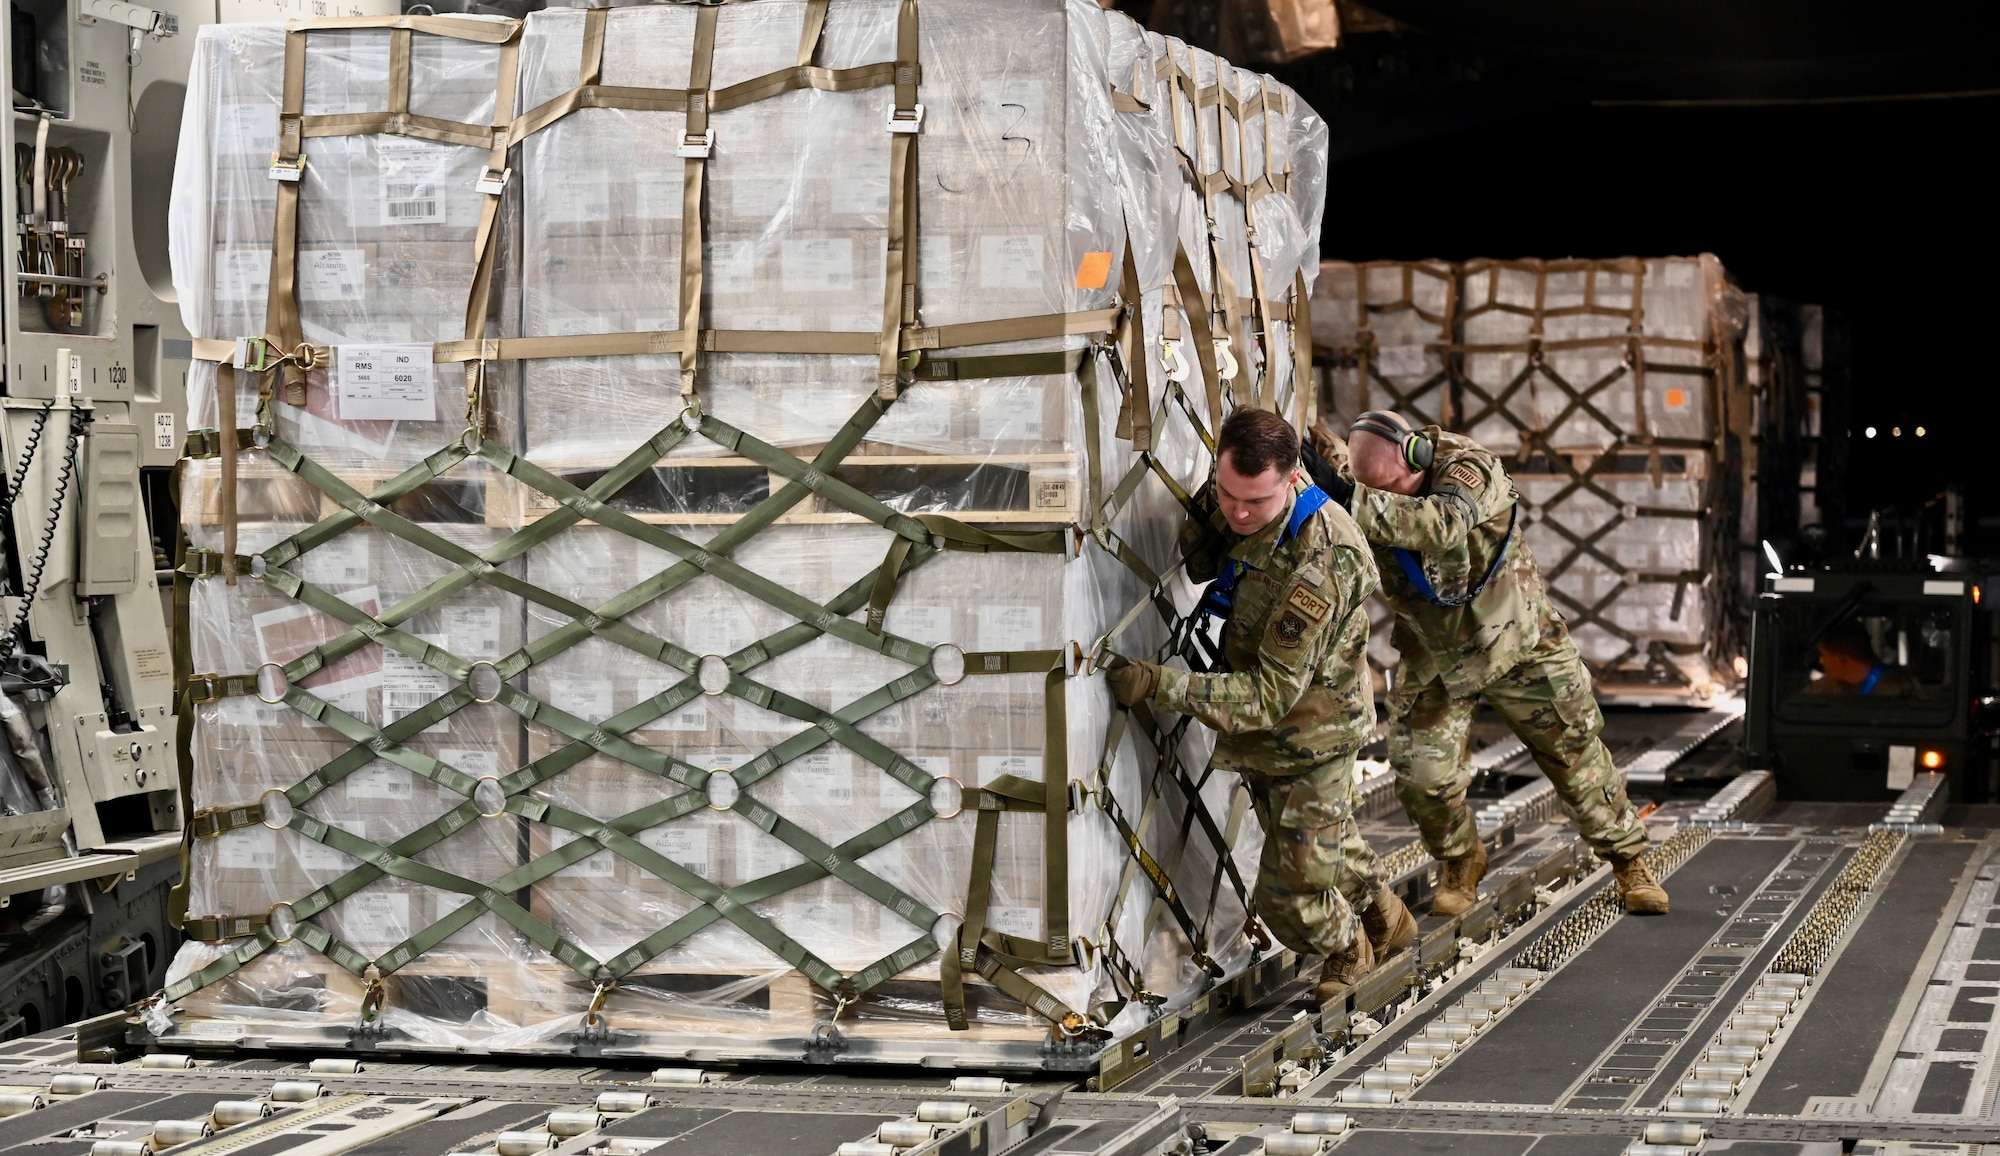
(654, 664)
(1613, 392)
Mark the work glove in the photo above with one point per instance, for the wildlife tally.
(1134, 682)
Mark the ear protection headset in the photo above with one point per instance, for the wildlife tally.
(1416, 449)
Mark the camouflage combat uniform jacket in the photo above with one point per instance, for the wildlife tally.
(1451, 532)
(1297, 693)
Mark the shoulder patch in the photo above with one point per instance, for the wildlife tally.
(1307, 603)
(1465, 475)
(1289, 629)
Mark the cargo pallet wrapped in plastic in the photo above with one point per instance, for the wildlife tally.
(1614, 392)
(682, 470)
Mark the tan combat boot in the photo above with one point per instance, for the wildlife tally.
(1638, 887)
(1458, 882)
(1389, 925)
(1343, 970)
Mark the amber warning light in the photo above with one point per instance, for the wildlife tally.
(1933, 760)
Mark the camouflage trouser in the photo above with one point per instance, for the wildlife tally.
(1547, 701)
(1317, 874)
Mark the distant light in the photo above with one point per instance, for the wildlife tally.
(1869, 432)
(1895, 431)
(1933, 760)
(1771, 553)
(1920, 431)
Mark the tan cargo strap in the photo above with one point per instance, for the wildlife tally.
(899, 272)
(485, 240)
(450, 27)
(1092, 322)
(1089, 323)
(281, 305)
(1135, 408)
(697, 139)
(397, 123)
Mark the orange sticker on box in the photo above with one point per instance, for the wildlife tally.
(1677, 399)
(1094, 271)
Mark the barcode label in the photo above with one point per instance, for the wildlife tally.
(1011, 413)
(249, 849)
(930, 625)
(332, 274)
(1025, 922)
(343, 561)
(376, 917)
(409, 685)
(584, 196)
(478, 764)
(242, 275)
(247, 130)
(1008, 627)
(1010, 262)
(824, 778)
(691, 716)
(819, 265)
(473, 631)
(586, 698)
(682, 842)
(730, 266)
(415, 175)
(382, 781)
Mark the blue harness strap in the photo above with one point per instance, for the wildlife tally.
(1874, 676)
(1413, 569)
(1221, 591)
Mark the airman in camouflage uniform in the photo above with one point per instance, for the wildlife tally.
(1474, 621)
(1291, 708)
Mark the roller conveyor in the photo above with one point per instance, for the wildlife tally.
(1827, 982)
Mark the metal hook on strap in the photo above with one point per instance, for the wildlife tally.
(593, 1016)
(374, 996)
(1176, 366)
(1225, 359)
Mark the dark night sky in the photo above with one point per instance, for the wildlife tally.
(1877, 209)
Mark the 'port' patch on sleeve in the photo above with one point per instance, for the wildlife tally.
(1307, 603)
(1465, 475)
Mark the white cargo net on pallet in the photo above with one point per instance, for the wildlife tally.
(700, 638)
